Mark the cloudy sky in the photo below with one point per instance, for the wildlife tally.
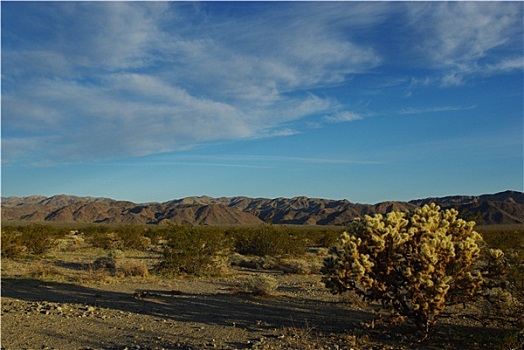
(368, 101)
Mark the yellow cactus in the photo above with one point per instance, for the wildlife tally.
(414, 261)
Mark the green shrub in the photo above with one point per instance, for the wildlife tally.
(503, 302)
(102, 240)
(11, 243)
(132, 237)
(39, 239)
(99, 236)
(505, 239)
(94, 229)
(195, 251)
(326, 238)
(155, 234)
(269, 241)
(413, 263)
(33, 239)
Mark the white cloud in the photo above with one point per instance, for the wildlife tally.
(342, 117)
(506, 65)
(130, 79)
(462, 38)
(109, 79)
(460, 32)
(435, 109)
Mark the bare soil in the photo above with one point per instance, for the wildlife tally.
(59, 304)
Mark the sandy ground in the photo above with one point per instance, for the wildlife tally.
(58, 302)
(201, 313)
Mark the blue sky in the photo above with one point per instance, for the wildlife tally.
(368, 101)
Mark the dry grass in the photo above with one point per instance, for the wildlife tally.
(45, 271)
(131, 268)
(260, 284)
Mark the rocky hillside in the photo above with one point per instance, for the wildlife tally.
(500, 208)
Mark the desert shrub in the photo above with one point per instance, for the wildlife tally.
(95, 228)
(129, 267)
(11, 244)
(156, 234)
(196, 251)
(99, 236)
(502, 304)
(505, 239)
(102, 240)
(104, 263)
(39, 239)
(33, 239)
(132, 237)
(286, 265)
(413, 262)
(327, 238)
(43, 270)
(70, 243)
(269, 241)
(109, 262)
(260, 284)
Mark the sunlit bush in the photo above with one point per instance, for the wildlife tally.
(11, 243)
(195, 251)
(268, 240)
(260, 284)
(413, 263)
(132, 237)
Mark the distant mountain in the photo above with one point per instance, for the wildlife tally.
(500, 208)
(489, 209)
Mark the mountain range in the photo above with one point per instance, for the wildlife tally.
(490, 209)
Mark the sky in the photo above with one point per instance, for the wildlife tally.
(365, 101)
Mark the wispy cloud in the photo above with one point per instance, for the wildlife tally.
(434, 109)
(260, 160)
(117, 79)
(342, 117)
(174, 78)
(458, 37)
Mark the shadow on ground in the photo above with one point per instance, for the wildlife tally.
(250, 313)
(223, 309)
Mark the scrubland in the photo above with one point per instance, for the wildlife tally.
(197, 287)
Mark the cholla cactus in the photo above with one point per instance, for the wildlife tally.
(414, 262)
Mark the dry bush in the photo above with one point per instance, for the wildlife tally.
(413, 263)
(293, 265)
(94, 274)
(260, 284)
(502, 302)
(195, 251)
(102, 240)
(131, 267)
(70, 243)
(11, 244)
(303, 266)
(109, 262)
(132, 237)
(43, 270)
(269, 241)
(32, 239)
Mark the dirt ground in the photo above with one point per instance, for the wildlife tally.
(59, 302)
(197, 313)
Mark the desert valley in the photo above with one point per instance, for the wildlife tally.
(84, 273)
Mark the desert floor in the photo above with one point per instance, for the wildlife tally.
(43, 309)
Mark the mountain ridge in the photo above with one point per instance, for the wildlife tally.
(500, 208)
